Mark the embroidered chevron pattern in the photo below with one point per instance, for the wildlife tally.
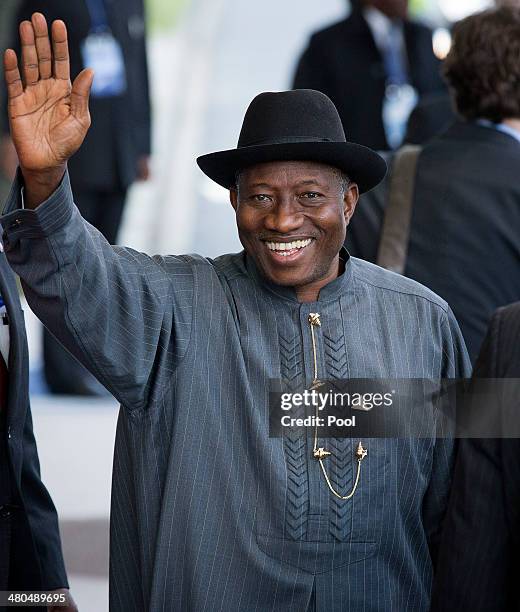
(340, 474)
(295, 445)
(336, 357)
(290, 360)
(339, 464)
(297, 488)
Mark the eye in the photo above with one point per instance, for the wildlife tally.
(261, 197)
(311, 195)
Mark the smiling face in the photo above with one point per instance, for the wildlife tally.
(291, 219)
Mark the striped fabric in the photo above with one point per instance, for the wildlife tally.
(482, 528)
(208, 512)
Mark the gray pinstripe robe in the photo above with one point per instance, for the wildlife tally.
(208, 512)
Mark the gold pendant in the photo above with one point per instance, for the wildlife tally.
(361, 452)
(316, 384)
(314, 319)
(321, 453)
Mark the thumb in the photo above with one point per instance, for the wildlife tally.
(80, 94)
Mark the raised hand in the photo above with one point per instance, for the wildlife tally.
(49, 117)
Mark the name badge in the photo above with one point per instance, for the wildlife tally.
(102, 53)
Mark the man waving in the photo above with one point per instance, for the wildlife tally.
(208, 511)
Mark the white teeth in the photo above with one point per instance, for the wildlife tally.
(288, 246)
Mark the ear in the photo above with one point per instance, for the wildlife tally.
(350, 199)
(233, 197)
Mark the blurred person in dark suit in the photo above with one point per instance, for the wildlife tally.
(30, 547)
(478, 564)
(108, 36)
(372, 65)
(464, 207)
(433, 114)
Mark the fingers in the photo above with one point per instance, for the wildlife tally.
(43, 45)
(12, 75)
(60, 50)
(38, 60)
(30, 70)
(80, 95)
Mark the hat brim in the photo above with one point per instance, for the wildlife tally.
(362, 165)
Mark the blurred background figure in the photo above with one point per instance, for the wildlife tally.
(30, 548)
(108, 36)
(464, 210)
(435, 111)
(478, 561)
(432, 115)
(387, 56)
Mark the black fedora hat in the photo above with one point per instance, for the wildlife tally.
(298, 125)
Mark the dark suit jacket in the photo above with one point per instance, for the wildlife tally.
(36, 556)
(478, 565)
(344, 62)
(120, 130)
(464, 239)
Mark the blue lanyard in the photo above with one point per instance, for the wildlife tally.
(98, 15)
(2, 303)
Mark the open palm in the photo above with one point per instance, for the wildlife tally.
(49, 117)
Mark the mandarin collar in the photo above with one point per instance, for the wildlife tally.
(328, 293)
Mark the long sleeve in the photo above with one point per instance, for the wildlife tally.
(123, 314)
(456, 365)
(456, 362)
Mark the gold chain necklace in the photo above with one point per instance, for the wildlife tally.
(321, 453)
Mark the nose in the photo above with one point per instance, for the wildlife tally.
(284, 218)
